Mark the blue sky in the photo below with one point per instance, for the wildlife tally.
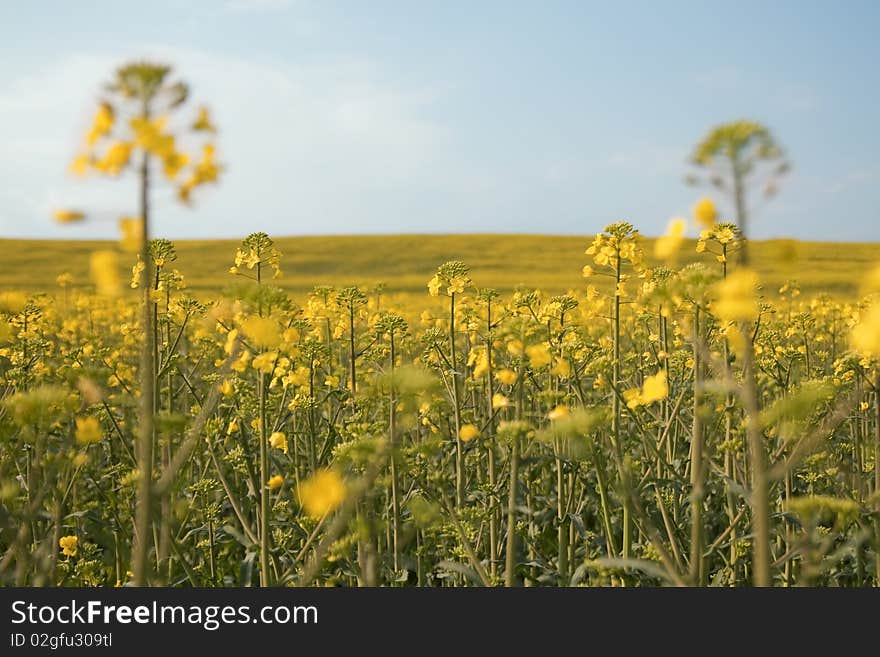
(386, 117)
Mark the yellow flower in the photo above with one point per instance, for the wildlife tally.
(500, 401)
(506, 376)
(148, 135)
(468, 432)
(265, 362)
(102, 124)
(561, 368)
(203, 121)
(587, 271)
(104, 268)
(276, 482)
(68, 216)
(632, 397)
(80, 165)
(68, 545)
(226, 388)
(132, 229)
(865, 335)
(539, 355)
(279, 441)
(322, 493)
(434, 286)
(116, 158)
(88, 430)
(705, 213)
(666, 247)
(655, 388)
(233, 427)
(736, 297)
(559, 413)
(262, 331)
(206, 170)
(479, 358)
(173, 162)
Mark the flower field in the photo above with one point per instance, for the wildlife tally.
(661, 413)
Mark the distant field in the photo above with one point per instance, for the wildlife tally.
(404, 263)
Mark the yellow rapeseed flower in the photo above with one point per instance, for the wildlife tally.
(506, 376)
(737, 300)
(102, 124)
(88, 430)
(203, 121)
(279, 441)
(265, 362)
(132, 231)
(705, 213)
(275, 482)
(468, 432)
(655, 388)
(666, 247)
(80, 165)
(262, 331)
(68, 216)
(116, 158)
(865, 335)
(68, 545)
(500, 401)
(539, 355)
(559, 413)
(322, 493)
(104, 268)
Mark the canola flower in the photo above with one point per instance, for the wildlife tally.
(278, 441)
(654, 388)
(705, 214)
(104, 268)
(88, 430)
(322, 493)
(737, 297)
(468, 432)
(68, 216)
(666, 247)
(68, 545)
(865, 335)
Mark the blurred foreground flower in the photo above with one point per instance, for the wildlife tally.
(322, 493)
(68, 216)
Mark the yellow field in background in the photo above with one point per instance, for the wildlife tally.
(404, 263)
